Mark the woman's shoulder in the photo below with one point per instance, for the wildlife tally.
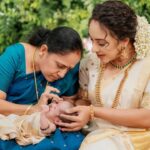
(90, 59)
(143, 66)
(14, 49)
(145, 62)
(15, 46)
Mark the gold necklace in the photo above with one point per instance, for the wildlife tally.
(125, 65)
(98, 87)
(35, 79)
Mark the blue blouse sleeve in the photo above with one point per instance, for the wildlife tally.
(8, 67)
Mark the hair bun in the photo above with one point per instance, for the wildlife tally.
(39, 37)
(43, 33)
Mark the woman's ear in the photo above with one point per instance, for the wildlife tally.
(125, 42)
(43, 50)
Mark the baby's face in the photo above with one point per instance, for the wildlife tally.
(55, 109)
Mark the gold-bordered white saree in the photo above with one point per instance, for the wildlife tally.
(135, 94)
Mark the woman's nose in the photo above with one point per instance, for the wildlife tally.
(62, 73)
(95, 48)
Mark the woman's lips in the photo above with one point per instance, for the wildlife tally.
(100, 55)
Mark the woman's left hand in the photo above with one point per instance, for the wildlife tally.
(77, 121)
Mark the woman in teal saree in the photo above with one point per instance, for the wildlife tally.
(23, 79)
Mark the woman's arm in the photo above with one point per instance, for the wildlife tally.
(137, 118)
(10, 108)
(20, 109)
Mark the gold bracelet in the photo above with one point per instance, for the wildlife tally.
(28, 108)
(91, 112)
(43, 129)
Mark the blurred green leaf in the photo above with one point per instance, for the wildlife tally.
(18, 18)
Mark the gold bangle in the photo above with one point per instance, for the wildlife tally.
(91, 112)
(28, 108)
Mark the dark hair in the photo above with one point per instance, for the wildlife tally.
(117, 17)
(60, 40)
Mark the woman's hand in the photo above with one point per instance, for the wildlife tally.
(45, 98)
(77, 121)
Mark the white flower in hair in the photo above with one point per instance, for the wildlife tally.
(142, 38)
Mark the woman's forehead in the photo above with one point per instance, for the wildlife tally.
(69, 60)
(99, 32)
(96, 29)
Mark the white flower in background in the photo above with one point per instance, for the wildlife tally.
(142, 38)
(87, 44)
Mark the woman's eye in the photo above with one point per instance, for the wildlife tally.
(102, 45)
(61, 67)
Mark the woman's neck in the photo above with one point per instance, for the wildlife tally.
(122, 60)
(35, 58)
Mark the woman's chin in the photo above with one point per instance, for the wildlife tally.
(52, 79)
(104, 61)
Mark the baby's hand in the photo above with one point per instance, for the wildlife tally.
(45, 125)
(52, 127)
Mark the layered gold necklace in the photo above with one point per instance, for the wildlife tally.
(98, 87)
(35, 79)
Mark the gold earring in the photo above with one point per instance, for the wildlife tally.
(124, 52)
(123, 48)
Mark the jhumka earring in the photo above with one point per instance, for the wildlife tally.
(124, 52)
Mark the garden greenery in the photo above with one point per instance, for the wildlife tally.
(18, 18)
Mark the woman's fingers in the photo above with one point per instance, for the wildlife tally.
(54, 97)
(72, 110)
(73, 125)
(69, 117)
(76, 121)
(49, 89)
(45, 97)
(69, 126)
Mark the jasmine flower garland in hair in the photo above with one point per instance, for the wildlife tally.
(142, 38)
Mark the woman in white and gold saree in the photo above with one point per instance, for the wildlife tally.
(115, 79)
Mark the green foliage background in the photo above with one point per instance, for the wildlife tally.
(18, 18)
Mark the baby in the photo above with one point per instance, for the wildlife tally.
(31, 129)
(50, 115)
